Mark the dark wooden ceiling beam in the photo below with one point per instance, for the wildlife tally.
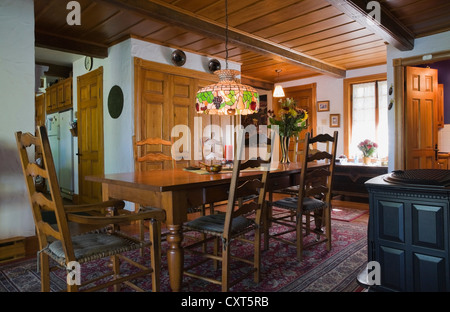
(386, 26)
(56, 70)
(50, 41)
(192, 22)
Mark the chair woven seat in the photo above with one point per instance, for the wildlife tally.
(214, 224)
(93, 246)
(309, 204)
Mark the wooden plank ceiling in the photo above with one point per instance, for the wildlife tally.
(303, 38)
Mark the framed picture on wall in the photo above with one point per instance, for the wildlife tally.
(335, 120)
(323, 106)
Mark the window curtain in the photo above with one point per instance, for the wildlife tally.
(369, 118)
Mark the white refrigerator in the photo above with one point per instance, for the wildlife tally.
(61, 144)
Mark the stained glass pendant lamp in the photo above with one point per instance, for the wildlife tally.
(228, 96)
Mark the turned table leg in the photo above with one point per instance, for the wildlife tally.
(175, 256)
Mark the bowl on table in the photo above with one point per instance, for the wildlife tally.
(213, 168)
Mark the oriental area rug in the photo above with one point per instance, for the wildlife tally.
(320, 270)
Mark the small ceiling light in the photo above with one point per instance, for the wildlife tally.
(278, 92)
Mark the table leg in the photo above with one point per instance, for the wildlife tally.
(175, 256)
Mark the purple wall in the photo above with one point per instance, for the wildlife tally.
(443, 68)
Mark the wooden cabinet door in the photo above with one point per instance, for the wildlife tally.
(165, 97)
(421, 122)
(51, 99)
(60, 95)
(67, 89)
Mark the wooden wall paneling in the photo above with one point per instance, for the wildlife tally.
(165, 96)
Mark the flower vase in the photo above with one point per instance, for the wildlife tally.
(284, 149)
(366, 160)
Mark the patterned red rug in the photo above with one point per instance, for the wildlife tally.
(346, 214)
(319, 271)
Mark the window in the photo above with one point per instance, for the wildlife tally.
(367, 114)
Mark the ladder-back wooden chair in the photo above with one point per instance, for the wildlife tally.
(239, 219)
(151, 154)
(56, 241)
(313, 197)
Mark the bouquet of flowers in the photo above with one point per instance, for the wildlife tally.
(368, 147)
(290, 120)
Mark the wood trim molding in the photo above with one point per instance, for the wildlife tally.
(419, 59)
(348, 107)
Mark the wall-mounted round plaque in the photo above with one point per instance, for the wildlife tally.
(115, 102)
(178, 58)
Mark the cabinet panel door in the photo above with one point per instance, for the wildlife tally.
(429, 273)
(391, 221)
(392, 262)
(428, 226)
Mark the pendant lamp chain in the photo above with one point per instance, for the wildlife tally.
(226, 34)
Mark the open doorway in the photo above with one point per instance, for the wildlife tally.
(441, 60)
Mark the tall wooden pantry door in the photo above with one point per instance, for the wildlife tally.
(90, 134)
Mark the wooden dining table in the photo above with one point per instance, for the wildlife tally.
(177, 190)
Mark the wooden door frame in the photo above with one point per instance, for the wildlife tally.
(313, 113)
(399, 65)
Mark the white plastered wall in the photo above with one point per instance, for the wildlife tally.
(17, 77)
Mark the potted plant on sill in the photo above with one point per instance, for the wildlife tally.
(367, 147)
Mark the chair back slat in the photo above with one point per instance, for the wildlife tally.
(253, 163)
(319, 155)
(27, 139)
(317, 173)
(154, 157)
(249, 187)
(34, 170)
(245, 209)
(43, 202)
(154, 141)
(151, 153)
(321, 138)
(48, 230)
